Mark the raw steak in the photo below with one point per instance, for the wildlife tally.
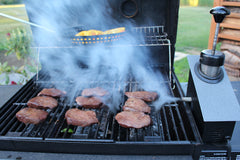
(31, 115)
(134, 104)
(129, 119)
(94, 92)
(144, 95)
(89, 102)
(81, 118)
(42, 102)
(52, 92)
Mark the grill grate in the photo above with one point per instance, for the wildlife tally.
(169, 124)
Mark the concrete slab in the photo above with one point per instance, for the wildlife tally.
(179, 56)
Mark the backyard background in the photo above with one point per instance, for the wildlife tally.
(17, 64)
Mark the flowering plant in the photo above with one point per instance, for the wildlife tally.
(18, 42)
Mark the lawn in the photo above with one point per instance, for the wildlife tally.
(193, 29)
(192, 36)
(7, 25)
(182, 69)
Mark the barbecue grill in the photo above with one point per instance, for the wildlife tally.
(154, 25)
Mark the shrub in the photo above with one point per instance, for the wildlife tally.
(18, 42)
(10, 1)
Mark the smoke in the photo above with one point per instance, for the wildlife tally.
(88, 66)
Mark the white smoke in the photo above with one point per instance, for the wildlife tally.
(86, 64)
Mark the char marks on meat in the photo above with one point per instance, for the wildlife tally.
(129, 119)
(31, 115)
(89, 102)
(81, 118)
(144, 95)
(52, 92)
(98, 91)
(42, 102)
(134, 104)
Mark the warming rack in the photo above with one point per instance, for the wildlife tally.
(154, 36)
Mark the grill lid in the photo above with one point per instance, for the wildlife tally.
(68, 18)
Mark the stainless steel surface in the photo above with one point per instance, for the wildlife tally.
(215, 38)
(7, 91)
(210, 71)
(157, 30)
(217, 101)
(186, 99)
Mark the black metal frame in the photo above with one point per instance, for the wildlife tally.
(151, 145)
(167, 16)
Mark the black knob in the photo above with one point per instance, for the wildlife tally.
(219, 13)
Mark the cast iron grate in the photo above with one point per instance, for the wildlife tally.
(170, 123)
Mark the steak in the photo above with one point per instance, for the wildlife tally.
(81, 118)
(129, 119)
(144, 95)
(134, 104)
(98, 91)
(89, 102)
(42, 102)
(31, 115)
(52, 92)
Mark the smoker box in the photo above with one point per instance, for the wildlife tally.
(173, 130)
(219, 109)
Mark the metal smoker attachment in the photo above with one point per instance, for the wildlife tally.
(209, 68)
(214, 106)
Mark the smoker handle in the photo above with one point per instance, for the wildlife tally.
(219, 13)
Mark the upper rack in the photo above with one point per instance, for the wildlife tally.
(140, 36)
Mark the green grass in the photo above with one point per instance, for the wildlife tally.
(182, 69)
(192, 36)
(208, 3)
(193, 29)
(7, 25)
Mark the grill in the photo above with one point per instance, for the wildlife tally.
(151, 26)
(171, 125)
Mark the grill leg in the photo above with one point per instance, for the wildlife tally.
(197, 152)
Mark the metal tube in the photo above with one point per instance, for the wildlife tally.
(215, 38)
(23, 21)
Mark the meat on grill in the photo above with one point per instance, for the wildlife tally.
(52, 92)
(31, 115)
(129, 119)
(81, 118)
(42, 102)
(89, 102)
(134, 104)
(144, 95)
(98, 91)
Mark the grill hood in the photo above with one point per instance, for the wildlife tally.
(67, 18)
